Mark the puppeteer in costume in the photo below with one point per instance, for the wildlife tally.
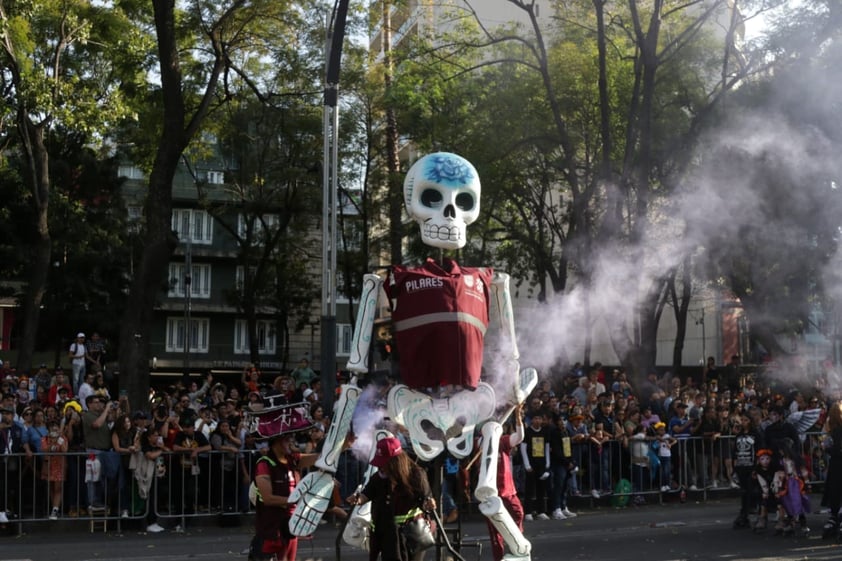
(276, 474)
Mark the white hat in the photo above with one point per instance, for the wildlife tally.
(307, 393)
(80, 334)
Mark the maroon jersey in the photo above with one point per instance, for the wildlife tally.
(272, 522)
(439, 320)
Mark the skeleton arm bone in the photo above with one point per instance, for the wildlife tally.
(503, 304)
(361, 342)
(502, 299)
(313, 492)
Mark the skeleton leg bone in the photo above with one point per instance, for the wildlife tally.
(491, 505)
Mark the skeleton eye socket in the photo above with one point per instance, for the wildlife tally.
(465, 201)
(431, 198)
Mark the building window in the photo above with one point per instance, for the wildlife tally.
(216, 177)
(344, 332)
(193, 225)
(271, 221)
(266, 336)
(135, 216)
(198, 337)
(200, 280)
(130, 172)
(240, 277)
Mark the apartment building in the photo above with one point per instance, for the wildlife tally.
(199, 326)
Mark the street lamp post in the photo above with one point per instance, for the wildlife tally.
(336, 34)
(188, 282)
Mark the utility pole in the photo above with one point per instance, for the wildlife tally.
(188, 289)
(393, 165)
(330, 170)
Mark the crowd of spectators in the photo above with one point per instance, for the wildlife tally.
(592, 432)
(84, 452)
(589, 431)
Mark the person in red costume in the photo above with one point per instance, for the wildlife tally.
(276, 474)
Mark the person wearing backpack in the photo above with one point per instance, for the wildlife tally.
(276, 475)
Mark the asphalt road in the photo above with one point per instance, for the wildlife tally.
(667, 532)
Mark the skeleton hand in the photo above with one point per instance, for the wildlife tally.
(312, 495)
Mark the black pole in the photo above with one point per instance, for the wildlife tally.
(329, 234)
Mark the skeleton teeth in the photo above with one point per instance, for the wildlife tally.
(442, 232)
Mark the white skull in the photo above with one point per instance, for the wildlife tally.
(441, 192)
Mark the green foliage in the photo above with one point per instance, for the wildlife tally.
(67, 61)
(90, 256)
(533, 125)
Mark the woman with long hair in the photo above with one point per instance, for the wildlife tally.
(224, 472)
(833, 482)
(123, 442)
(399, 493)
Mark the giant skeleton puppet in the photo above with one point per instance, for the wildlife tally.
(440, 315)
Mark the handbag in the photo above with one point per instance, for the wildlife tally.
(419, 534)
(93, 469)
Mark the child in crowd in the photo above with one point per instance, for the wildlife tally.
(792, 496)
(664, 441)
(55, 446)
(599, 464)
(764, 473)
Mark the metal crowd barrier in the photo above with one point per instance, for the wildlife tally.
(215, 485)
(218, 484)
(697, 465)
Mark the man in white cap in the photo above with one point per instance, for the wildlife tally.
(76, 353)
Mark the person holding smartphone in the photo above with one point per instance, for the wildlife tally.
(97, 437)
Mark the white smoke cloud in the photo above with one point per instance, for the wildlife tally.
(368, 416)
(712, 204)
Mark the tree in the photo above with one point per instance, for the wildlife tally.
(57, 69)
(270, 210)
(203, 48)
(612, 105)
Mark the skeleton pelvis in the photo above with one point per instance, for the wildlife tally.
(438, 423)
